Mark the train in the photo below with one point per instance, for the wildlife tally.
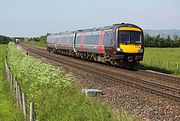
(119, 44)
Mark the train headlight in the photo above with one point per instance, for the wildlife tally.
(118, 49)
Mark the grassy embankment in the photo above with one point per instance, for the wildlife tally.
(8, 108)
(162, 59)
(39, 44)
(56, 96)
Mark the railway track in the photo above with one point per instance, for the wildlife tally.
(114, 77)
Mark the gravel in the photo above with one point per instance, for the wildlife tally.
(139, 104)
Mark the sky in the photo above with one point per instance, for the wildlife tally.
(31, 18)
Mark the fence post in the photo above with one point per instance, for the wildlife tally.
(19, 97)
(24, 106)
(11, 77)
(160, 63)
(151, 62)
(16, 89)
(32, 116)
(13, 85)
(177, 65)
(7, 70)
(10, 81)
(168, 65)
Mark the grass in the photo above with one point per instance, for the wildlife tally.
(8, 108)
(55, 94)
(162, 59)
(39, 44)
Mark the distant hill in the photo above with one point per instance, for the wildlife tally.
(163, 33)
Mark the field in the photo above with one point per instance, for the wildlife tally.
(162, 59)
(8, 109)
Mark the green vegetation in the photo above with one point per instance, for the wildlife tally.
(150, 41)
(38, 41)
(158, 41)
(56, 96)
(162, 59)
(35, 43)
(4, 39)
(8, 108)
(165, 57)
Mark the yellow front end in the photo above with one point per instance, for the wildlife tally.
(130, 48)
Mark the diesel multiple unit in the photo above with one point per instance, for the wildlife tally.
(119, 44)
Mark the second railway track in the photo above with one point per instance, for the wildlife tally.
(114, 77)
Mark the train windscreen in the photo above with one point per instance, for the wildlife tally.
(130, 37)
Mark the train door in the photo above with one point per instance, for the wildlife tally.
(74, 42)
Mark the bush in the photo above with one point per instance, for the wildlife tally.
(4, 40)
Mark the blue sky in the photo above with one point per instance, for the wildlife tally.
(37, 17)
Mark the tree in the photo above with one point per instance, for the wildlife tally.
(4, 39)
(176, 41)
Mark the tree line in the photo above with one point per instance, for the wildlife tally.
(41, 39)
(150, 41)
(158, 41)
(4, 39)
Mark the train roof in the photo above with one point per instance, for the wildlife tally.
(114, 26)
